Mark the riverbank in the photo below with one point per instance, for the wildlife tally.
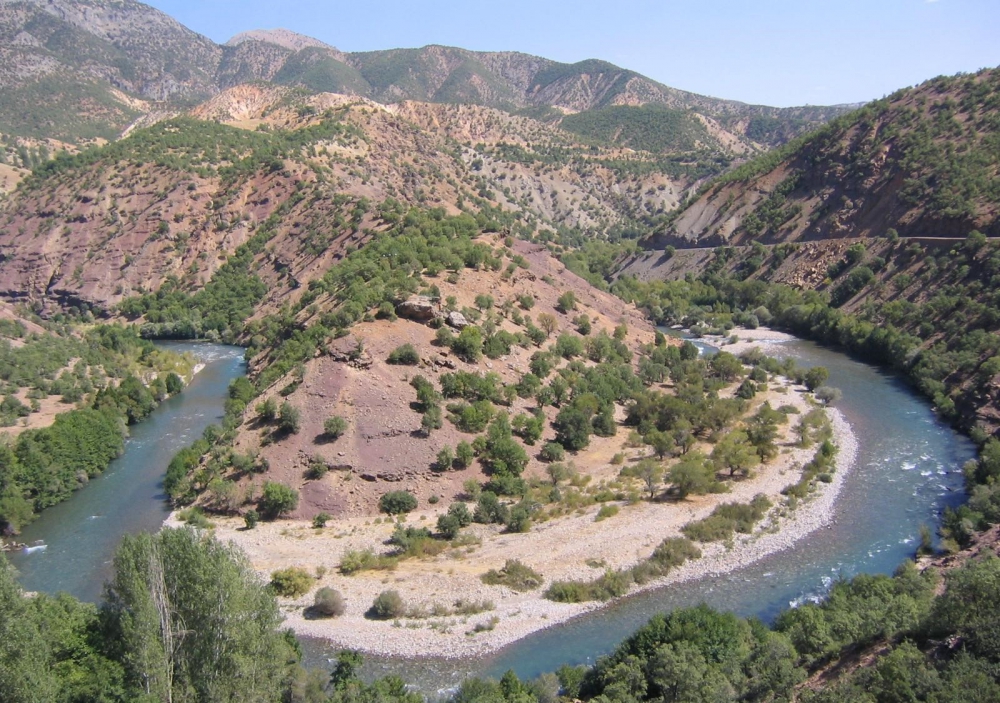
(575, 547)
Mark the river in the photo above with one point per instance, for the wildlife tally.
(908, 470)
(81, 534)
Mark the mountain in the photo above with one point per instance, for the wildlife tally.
(84, 69)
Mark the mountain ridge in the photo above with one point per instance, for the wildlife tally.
(61, 63)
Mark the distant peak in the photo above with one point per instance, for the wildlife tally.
(282, 37)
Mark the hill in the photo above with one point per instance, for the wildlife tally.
(923, 161)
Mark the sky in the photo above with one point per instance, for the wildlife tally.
(771, 52)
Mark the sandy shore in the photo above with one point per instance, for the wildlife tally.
(573, 547)
(767, 340)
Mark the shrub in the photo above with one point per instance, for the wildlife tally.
(289, 418)
(388, 605)
(514, 575)
(334, 426)
(291, 582)
(321, 520)
(267, 410)
(552, 451)
(674, 551)
(251, 518)
(397, 502)
(277, 499)
(404, 355)
(354, 561)
(329, 603)
(195, 517)
(605, 512)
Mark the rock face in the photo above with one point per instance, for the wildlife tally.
(419, 308)
(457, 320)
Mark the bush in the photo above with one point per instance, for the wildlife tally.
(388, 605)
(291, 582)
(464, 454)
(828, 395)
(605, 512)
(289, 418)
(267, 410)
(552, 451)
(354, 561)
(277, 499)
(251, 518)
(397, 502)
(404, 355)
(514, 575)
(334, 426)
(329, 603)
(321, 520)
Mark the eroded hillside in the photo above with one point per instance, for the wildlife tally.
(923, 161)
(309, 175)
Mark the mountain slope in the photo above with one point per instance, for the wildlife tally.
(176, 198)
(925, 161)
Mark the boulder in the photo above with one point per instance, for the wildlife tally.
(457, 320)
(419, 307)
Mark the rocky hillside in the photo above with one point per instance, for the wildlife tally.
(84, 69)
(924, 161)
(386, 444)
(312, 174)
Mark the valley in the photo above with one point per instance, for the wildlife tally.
(470, 361)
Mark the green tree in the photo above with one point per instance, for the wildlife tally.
(572, 428)
(468, 345)
(735, 453)
(397, 502)
(567, 302)
(289, 418)
(190, 620)
(816, 377)
(648, 471)
(692, 476)
(276, 500)
(25, 667)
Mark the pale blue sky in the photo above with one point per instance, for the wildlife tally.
(773, 52)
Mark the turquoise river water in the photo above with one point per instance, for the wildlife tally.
(908, 470)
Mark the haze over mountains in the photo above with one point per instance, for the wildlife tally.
(117, 59)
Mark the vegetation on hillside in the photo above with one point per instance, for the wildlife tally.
(100, 378)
